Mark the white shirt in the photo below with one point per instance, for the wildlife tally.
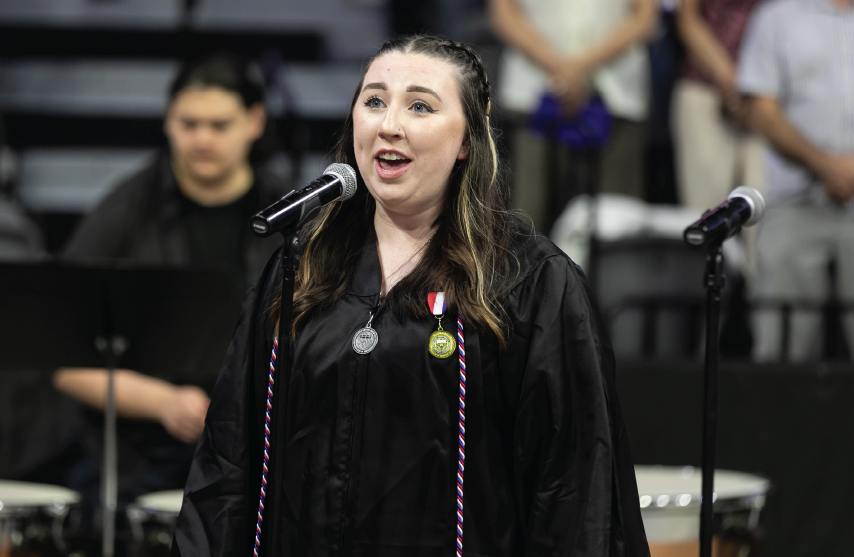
(573, 27)
(801, 53)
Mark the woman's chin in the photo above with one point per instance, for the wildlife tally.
(394, 204)
(408, 209)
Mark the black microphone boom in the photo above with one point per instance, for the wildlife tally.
(744, 207)
(291, 211)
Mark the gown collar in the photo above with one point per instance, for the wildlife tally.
(367, 279)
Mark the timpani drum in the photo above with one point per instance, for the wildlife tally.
(152, 518)
(32, 518)
(670, 508)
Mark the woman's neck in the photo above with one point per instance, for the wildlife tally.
(401, 242)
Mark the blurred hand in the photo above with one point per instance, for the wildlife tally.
(838, 177)
(570, 82)
(735, 109)
(183, 416)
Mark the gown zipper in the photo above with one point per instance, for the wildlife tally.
(356, 412)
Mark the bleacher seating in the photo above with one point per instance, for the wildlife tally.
(83, 85)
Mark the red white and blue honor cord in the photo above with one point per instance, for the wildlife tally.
(461, 451)
(461, 455)
(438, 306)
(264, 471)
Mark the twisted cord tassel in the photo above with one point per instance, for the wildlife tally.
(266, 447)
(461, 457)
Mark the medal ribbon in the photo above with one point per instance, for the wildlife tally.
(436, 303)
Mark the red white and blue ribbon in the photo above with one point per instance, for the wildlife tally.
(436, 303)
(264, 471)
(461, 455)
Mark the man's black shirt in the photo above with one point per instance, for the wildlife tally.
(147, 220)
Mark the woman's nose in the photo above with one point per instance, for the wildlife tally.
(390, 125)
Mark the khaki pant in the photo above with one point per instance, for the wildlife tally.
(620, 168)
(711, 156)
(794, 247)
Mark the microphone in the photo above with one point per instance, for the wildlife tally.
(291, 211)
(744, 207)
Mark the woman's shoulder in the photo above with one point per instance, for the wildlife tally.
(544, 282)
(532, 253)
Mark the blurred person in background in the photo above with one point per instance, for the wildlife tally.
(714, 149)
(32, 439)
(190, 207)
(797, 70)
(20, 238)
(579, 51)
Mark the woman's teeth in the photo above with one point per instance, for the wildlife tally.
(392, 157)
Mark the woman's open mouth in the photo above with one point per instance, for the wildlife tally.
(391, 165)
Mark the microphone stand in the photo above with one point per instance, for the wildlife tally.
(111, 350)
(278, 418)
(714, 283)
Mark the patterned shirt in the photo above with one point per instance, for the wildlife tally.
(727, 20)
(801, 53)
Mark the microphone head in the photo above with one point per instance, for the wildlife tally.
(347, 176)
(754, 199)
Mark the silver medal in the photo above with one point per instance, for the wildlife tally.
(366, 338)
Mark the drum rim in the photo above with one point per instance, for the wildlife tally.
(144, 502)
(752, 498)
(41, 496)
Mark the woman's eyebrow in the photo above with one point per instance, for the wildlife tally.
(375, 86)
(420, 89)
(410, 89)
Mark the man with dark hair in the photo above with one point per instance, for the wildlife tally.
(190, 207)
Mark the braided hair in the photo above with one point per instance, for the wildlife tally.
(459, 54)
(473, 81)
(468, 258)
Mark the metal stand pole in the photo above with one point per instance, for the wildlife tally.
(714, 282)
(111, 351)
(290, 264)
(592, 156)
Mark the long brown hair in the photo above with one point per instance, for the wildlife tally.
(467, 258)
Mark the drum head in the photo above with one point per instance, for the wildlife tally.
(162, 501)
(23, 495)
(670, 499)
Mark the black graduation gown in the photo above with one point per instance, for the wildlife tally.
(371, 440)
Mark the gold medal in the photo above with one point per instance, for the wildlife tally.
(442, 344)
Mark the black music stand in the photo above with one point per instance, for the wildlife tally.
(150, 319)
